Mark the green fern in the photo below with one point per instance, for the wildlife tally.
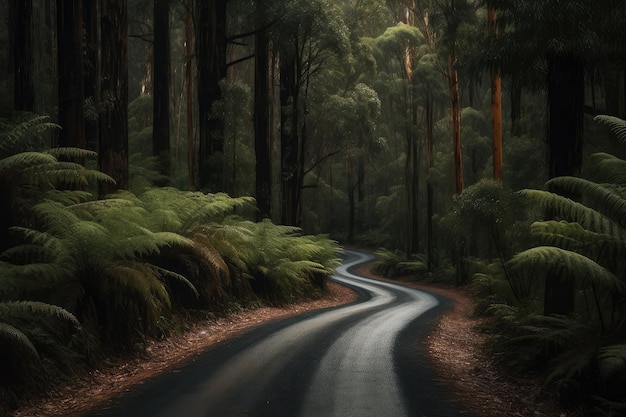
(542, 260)
(616, 125)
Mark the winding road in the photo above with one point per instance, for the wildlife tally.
(364, 359)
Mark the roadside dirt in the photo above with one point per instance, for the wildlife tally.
(455, 347)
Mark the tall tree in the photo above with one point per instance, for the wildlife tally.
(71, 87)
(161, 86)
(189, 75)
(211, 61)
(496, 100)
(91, 73)
(22, 24)
(262, 123)
(113, 151)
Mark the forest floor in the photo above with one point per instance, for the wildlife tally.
(455, 346)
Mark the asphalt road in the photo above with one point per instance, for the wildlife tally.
(363, 360)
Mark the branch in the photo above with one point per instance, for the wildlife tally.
(239, 61)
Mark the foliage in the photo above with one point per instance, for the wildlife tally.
(396, 263)
(581, 240)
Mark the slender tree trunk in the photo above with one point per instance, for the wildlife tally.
(496, 104)
(113, 153)
(289, 140)
(211, 43)
(455, 112)
(191, 148)
(429, 183)
(91, 73)
(71, 87)
(161, 87)
(262, 124)
(24, 99)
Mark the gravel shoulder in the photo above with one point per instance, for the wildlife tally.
(455, 347)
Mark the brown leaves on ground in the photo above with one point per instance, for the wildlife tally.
(455, 347)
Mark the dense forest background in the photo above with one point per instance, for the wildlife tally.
(166, 156)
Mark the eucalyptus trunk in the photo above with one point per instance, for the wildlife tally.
(191, 152)
(496, 104)
(211, 44)
(289, 141)
(22, 24)
(262, 124)
(91, 73)
(71, 88)
(161, 87)
(113, 152)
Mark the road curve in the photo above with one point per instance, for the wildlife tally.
(364, 359)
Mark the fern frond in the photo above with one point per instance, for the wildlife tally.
(612, 360)
(166, 273)
(69, 152)
(15, 339)
(23, 160)
(68, 197)
(17, 139)
(37, 308)
(603, 199)
(566, 209)
(537, 262)
(616, 125)
(608, 168)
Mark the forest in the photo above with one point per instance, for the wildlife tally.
(161, 159)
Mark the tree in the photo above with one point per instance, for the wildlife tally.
(22, 24)
(161, 86)
(562, 39)
(71, 68)
(496, 101)
(113, 151)
(211, 60)
(262, 122)
(308, 32)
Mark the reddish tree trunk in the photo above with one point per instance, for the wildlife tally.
(496, 105)
(191, 154)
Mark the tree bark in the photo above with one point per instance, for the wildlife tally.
(430, 123)
(191, 148)
(262, 124)
(71, 88)
(24, 98)
(496, 104)
(211, 43)
(113, 153)
(91, 72)
(161, 87)
(455, 113)
(289, 141)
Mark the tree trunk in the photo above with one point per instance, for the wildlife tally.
(262, 125)
(496, 104)
(211, 43)
(161, 87)
(191, 149)
(113, 153)
(566, 110)
(71, 87)
(289, 141)
(455, 113)
(430, 122)
(91, 73)
(24, 98)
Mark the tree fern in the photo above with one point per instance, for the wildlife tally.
(564, 208)
(616, 125)
(541, 260)
(604, 200)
